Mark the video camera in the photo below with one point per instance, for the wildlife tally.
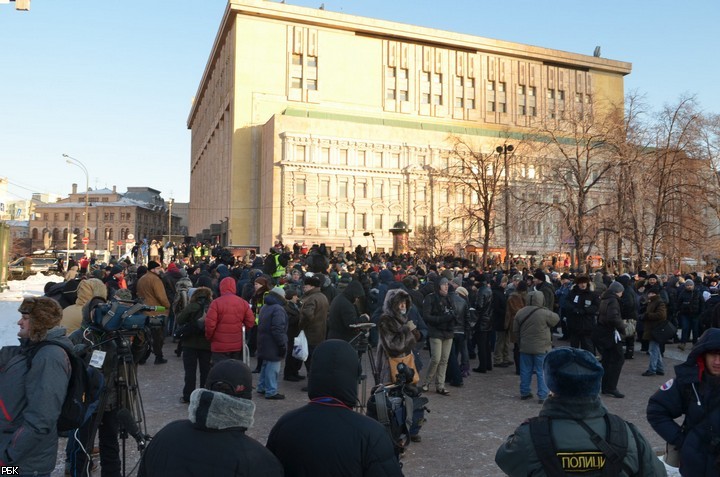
(124, 316)
(405, 374)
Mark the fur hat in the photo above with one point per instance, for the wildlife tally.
(313, 281)
(45, 313)
(572, 372)
(582, 279)
(152, 264)
(123, 294)
(539, 275)
(616, 287)
(462, 291)
(232, 377)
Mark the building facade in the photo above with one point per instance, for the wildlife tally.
(114, 220)
(315, 126)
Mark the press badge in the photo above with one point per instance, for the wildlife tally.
(97, 359)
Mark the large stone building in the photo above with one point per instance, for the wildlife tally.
(310, 125)
(112, 218)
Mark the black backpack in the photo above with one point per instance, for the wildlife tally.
(77, 399)
(394, 413)
(612, 449)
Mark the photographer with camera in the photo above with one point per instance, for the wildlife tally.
(344, 312)
(440, 314)
(398, 336)
(695, 394)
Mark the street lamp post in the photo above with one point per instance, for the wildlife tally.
(76, 162)
(504, 149)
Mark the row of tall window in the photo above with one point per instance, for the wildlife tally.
(343, 220)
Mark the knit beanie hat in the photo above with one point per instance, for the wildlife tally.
(572, 372)
(616, 287)
(539, 274)
(232, 377)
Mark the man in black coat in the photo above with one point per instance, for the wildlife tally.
(213, 440)
(344, 312)
(326, 437)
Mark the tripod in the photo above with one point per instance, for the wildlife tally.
(361, 343)
(127, 418)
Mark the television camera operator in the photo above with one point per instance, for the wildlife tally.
(100, 350)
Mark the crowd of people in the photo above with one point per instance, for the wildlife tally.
(221, 310)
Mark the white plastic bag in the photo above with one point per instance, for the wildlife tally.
(301, 350)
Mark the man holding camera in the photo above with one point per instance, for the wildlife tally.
(344, 312)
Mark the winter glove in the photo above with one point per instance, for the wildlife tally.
(411, 325)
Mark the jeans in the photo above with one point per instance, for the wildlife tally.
(192, 359)
(268, 381)
(532, 364)
(439, 355)
(656, 362)
(688, 324)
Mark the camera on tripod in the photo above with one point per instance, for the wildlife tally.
(405, 374)
(124, 316)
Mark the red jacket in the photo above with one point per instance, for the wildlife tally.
(225, 319)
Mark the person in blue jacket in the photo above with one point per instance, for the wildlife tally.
(695, 394)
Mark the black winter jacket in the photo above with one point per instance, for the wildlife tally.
(212, 442)
(695, 394)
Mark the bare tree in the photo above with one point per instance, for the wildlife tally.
(430, 242)
(479, 177)
(577, 153)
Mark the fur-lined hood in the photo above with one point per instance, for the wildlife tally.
(216, 410)
(87, 289)
(393, 298)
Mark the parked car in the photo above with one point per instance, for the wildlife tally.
(46, 266)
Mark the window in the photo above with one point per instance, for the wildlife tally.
(104, 199)
(437, 78)
(361, 190)
(395, 192)
(362, 158)
(343, 156)
(77, 216)
(112, 216)
(300, 218)
(393, 160)
(403, 73)
(56, 216)
(300, 187)
(501, 98)
(342, 220)
(459, 81)
(403, 95)
(312, 84)
(420, 194)
(470, 103)
(425, 98)
(360, 222)
(378, 190)
(325, 188)
(67, 216)
(437, 99)
(325, 155)
(378, 222)
(342, 189)
(297, 59)
(324, 220)
(300, 153)
(458, 102)
(312, 61)
(106, 216)
(390, 72)
(296, 82)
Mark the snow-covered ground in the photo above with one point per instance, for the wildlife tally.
(10, 301)
(34, 286)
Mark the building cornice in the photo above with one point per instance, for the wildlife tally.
(399, 32)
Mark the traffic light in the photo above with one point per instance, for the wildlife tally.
(73, 240)
(111, 244)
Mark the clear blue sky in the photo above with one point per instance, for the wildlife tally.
(110, 83)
